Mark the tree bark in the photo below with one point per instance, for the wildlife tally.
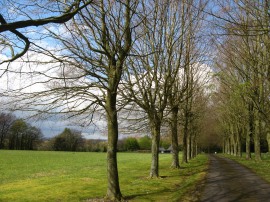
(174, 140)
(185, 134)
(231, 146)
(250, 131)
(224, 146)
(2, 139)
(239, 146)
(155, 129)
(248, 137)
(185, 160)
(114, 72)
(194, 146)
(234, 146)
(188, 146)
(113, 189)
(228, 146)
(257, 144)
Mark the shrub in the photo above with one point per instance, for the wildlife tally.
(145, 143)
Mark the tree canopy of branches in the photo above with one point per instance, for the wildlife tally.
(244, 72)
(60, 11)
(85, 68)
(161, 53)
(6, 121)
(68, 140)
(16, 134)
(103, 56)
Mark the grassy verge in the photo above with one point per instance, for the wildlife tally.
(259, 167)
(68, 176)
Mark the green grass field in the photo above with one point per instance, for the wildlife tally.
(69, 176)
(261, 168)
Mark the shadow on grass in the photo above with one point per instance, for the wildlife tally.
(149, 195)
(177, 190)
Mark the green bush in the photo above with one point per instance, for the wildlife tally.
(68, 140)
(131, 144)
(145, 143)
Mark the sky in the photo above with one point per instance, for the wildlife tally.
(51, 125)
(28, 82)
(54, 125)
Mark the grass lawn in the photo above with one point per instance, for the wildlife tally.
(70, 176)
(260, 167)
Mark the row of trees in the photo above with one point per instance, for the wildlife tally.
(145, 59)
(140, 56)
(18, 134)
(244, 76)
(72, 140)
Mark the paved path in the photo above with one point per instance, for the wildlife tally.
(230, 181)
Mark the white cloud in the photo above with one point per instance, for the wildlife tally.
(28, 77)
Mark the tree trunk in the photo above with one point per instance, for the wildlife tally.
(188, 146)
(184, 158)
(257, 139)
(174, 140)
(231, 145)
(196, 149)
(250, 131)
(228, 146)
(248, 135)
(234, 146)
(2, 140)
(239, 146)
(226, 150)
(113, 190)
(233, 140)
(193, 146)
(155, 130)
(238, 141)
(185, 142)
(17, 141)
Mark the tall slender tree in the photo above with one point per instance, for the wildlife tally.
(151, 74)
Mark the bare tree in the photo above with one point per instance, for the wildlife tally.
(154, 69)
(191, 59)
(80, 74)
(6, 121)
(176, 95)
(246, 25)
